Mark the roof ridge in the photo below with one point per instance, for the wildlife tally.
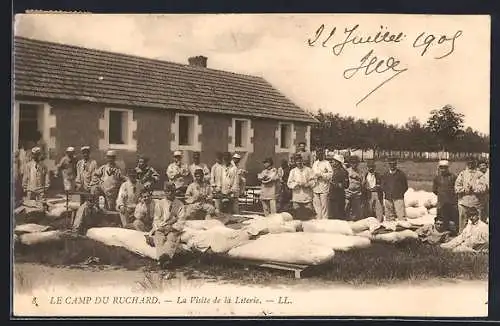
(135, 56)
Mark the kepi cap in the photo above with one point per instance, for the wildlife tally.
(444, 163)
(36, 150)
(111, 153)
(236, 155)
(70, 149)
(85, 148)
(177, 153)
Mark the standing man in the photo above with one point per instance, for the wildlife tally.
(466, 189)
(241, 174)
(444, 187)
(306, 156)
(323, 173)
(268, 179)
(394, 185)
(285, 193)
(67, 166)
(199, 197)
(353, 194)
(85, 169)
(198, 165)
(128, 196)
(373, 195)
(483, 188)
(108, 179)
(36, 178)
(339, 183)
(146, 175)
(230, 186)
(168, 223)
(301, 181)
(178, 174)
(216, 173)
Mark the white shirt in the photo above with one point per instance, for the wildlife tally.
(323, 173)
(301, 181)
(371, 180)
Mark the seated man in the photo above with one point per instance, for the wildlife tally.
(86, 215)
(199, 197)
(144, 212)
(434, 233)
(168, 223)
(128, 196)
(475, 236)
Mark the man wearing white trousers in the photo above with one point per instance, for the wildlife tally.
(323, 172)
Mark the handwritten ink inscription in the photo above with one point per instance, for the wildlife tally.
(373, 65)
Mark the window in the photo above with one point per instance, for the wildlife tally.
(285, 135)
(118, 127)
(241, 133)
(29, 121)
(186, 130)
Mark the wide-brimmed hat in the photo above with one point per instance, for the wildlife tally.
(338, 158)
(470, 202)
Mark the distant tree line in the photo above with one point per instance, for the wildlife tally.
(443, 131)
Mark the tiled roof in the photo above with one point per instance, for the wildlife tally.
(52, 70)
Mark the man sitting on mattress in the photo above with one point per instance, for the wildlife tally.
(475, 235)
(199, 197)
(168, 223)
(87, 214)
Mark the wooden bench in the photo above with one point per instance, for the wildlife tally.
(297, 269)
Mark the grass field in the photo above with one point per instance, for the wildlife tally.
(378, 264)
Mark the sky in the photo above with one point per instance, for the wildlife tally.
(276, 47)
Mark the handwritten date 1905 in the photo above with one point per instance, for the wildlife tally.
(370, 63)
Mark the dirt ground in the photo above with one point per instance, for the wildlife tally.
(303, 297)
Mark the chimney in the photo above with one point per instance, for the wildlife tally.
(198, 61)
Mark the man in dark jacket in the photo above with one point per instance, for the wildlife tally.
(372, 192)
(394, 185)
(339, 183)
(444, 187)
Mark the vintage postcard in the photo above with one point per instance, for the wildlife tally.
(255, 165)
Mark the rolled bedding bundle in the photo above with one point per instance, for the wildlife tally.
(34, 238)
(369, 223)
(327, 226)
(131, 240)
(415, 212)
(218, 239)
(289, 248)
(30, 228)
(395, 237)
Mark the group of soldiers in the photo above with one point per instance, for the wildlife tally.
(328, 186)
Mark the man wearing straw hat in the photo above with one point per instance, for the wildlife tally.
(178, 174)
(67, 167)
(85, 169)
(444, 187)
(108, 179)
(36, 178)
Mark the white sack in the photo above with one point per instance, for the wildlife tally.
(415, 212)
(283, 248)
(131, 240)
(336, 242)
(410, 198)
(203, 224)
(31, 228)
(394, 237)
(369, 223)
(365, 234)
(421, 221)
(40, 237)
(275, 224)
(432, 211)
(327, 226)
(218, 239)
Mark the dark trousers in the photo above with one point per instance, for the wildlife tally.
(284, 201)
(448, 212)
(337, 204)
